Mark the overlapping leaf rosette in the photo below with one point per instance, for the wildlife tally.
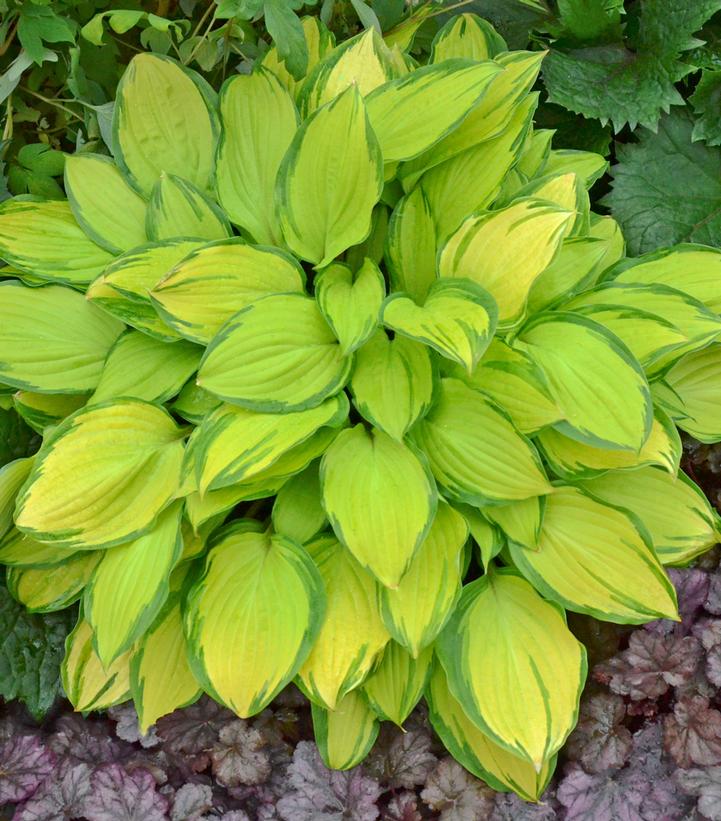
(341, 382)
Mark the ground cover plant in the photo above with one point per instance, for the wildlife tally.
(272, 383)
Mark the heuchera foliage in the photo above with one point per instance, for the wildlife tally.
(341, 382)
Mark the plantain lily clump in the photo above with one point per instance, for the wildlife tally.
(341, 382)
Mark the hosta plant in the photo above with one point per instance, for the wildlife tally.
(341, 382)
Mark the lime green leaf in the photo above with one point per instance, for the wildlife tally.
(411, 245)
(43, 591)
(695, 380)
(276, 355)
(397, 683)
(259, 120)
(594, 559)
(488, 538)
(502, 624)
(130, 586)
(194, 404)
(468, 36)
(475, 452)
(351, 303)
(346, 734)
(51, 339)
(599, 387)
(237, 596)
(43, 239)
(320, 221)
(12, 477)
(380, 499)
(392, 382)
(19, 550)
(103, 476)
(417, 610)
(105, 206)
(351, 638)
(297, 510)
(40, 410)
(457, 319)
(178, 209)
(319, 41)
(520, 521)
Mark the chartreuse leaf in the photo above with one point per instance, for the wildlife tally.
(130, 586)
(511, 379)
(694, 269)
(502, 625)
(237, 596)
(586, 164)
(146, 368)
(457, 319)
(396, 685)
(194, 404)
(599, 387)
(102, 477)
(160, 677)
(346, 734)
(259, 120)
(363, 61)
(392, 382)
(51, 339)
(12, 478)
(234, 444)
(417, 610)
(351, 638)
(103, 203)
(19, 550)
(679, 519)
(39, 410)
(411, 245)
(297, 511)
(199, 294)
(351, 303)
(163, 122)
(520, 521)
(572, 459)
(380, 499)
(468, 36)
(123, 288)
(594, 559)
(42, 591)
(489, 539)
(276, 355)
(43, 239)
(320, 221)
(476, 751)
(319, 41)
(411, 114)
(87, 683)
(475, 452)
(564, 190)
(505, 251)
(178, 209)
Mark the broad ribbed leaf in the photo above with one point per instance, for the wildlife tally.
(42, 590)
(12, 477)
(696, 382)
(19, 550)
(469, 36)
(345, 735)
(397, 683)
(298, 510)
(178, 209)
(520, 521)
(41, 410)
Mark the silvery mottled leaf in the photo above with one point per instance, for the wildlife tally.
(319, 794)
(401, 760)
(118, 796)
(194, 729)
(61, 796)
(240, 757)
(706, 786)
(88, 740)
(713, 598)
(600, 741)
(692, 735)
(456, 794)
(24, 764)
(509, 807)
(603, 797)
(403, 807)
(128, 728)
(191, 802)
(692, 587)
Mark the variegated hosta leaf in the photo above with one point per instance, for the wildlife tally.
(12, 477)
(564, 190)
(467, 36)
(233, 445)
(476, 751)
(298, 510)
(681, 522)
(351, 303)
(380, 499)
(489, 539)
(417, 610)
(396, 685)
(42, 410)
(259, 120)
(44, 240)
(346, 734)
(178, 209)
(695, 382)
(102, 477)
(19, 550)
(319, 41)
(502, 630)
(520, 521)
(475, 452)
(86, 682)
(392, 382)
(237, 596)
(103, 202)
(194, 404)
(276, 355)
(51, 339)
(320, 221)
(411, 245)
(594, 559)
(146, 368)
(351, 638)
(164, 121)
(505, 251)
(599, 387)
(130, 586)
(586, 164)
(43, 591)
(457, 319)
